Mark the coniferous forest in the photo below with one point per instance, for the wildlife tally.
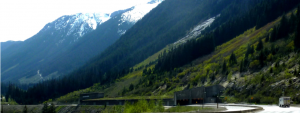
(157, 29)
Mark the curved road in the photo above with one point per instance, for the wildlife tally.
(229, 108)
(276, 109)
(267, 108)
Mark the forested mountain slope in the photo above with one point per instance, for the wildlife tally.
(246, 62)
(131, 48)
(260, 63)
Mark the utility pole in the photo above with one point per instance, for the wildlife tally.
(218, 96)
(217, 102)
(204, 94)
(251, 96)
(203, 100)
(2, 109)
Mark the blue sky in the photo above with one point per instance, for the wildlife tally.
(21, 19)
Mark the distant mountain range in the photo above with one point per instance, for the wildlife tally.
(66, 43)
(5, 45)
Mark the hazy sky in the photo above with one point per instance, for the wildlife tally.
(21, 19)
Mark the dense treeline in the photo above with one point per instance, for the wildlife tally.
(185, 53)
(149, 35)
(286, 27)
(287, 31)
(261, 53)
(258, 16)
(234, 10)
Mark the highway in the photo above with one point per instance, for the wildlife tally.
(276, 109)
(229, 107)
(267, 108)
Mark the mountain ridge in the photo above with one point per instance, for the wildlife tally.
(68, 37)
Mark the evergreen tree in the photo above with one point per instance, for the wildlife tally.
(2, 109)
(131, 87)
(267, 39)
(232, 59)
(292, 23)
(259, 45)
(224, 67)
(149, 71)
(261, 58)
(263, 78)
(252, 50)
(124, 91)
(248, 52)
(52, 108)
(271, 70)
(145, 71)
(297, 36)
(25, 109)
(6, 97)
(274, 33)
(298, 72)
(242, 66)
(246, 63)
(283, 29)
(45, 108)
(298, 12)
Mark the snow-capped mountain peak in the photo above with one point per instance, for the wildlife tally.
(80, 23)
(77, 25)
(139, 11)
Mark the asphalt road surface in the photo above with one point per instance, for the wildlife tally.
(276, 109)
(267, 108)
(229, 108)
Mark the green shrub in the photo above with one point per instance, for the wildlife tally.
(181, 75)
(268, 100)
(254, 64)
(187, 108)
(229, 77)
(144, 106)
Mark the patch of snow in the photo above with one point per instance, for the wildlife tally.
(197, 30)
(38, 73)
(61, 41)
(121, 32)
(139, 11)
